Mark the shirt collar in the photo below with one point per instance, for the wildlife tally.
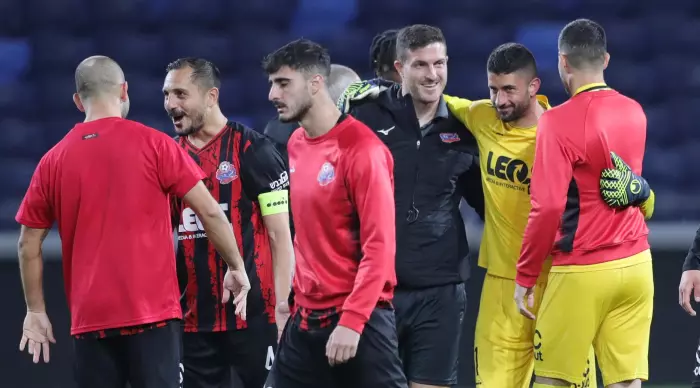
(586, 87)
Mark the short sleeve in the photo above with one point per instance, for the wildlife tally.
(263, 169)
(177, 171)
(36, 210)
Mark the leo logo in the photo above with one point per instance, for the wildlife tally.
(189, 222)
(513, 173)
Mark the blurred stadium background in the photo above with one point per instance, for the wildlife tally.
(653, 43)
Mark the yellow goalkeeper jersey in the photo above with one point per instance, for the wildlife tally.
(506, 157)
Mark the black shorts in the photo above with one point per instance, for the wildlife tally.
(149, 359)
(301, 357)
(429, 327)
(220, 359)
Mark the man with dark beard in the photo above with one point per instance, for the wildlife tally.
(247, 175)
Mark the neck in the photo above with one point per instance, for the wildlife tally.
(96, 110)
(583, 78)
(424, 111)
(531, 116)
(321, 118)
(215, 123)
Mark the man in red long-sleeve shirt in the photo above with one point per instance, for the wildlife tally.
(342, 332)
(600, 289)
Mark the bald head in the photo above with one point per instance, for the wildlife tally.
(341, 77)
(98, 75)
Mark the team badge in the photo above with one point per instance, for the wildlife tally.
(449, 137)
(226, 173)
(326, 175)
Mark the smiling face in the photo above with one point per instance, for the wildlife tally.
(424, 72)
(185, 102)
(511, 94)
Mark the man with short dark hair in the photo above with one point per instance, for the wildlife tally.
(592, 246)
(342, 332)
(248, 177)
(436, 166)
(107, 185)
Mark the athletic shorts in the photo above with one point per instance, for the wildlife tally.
(220, 359)
(429, 326)
(608, 305)
(301, 360)
(503, 349)
(148, 359)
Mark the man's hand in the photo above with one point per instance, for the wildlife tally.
(342, 345)
(690, 285)
(37, 333)
(620, 187)
(237, 283)
(281, 317)
(522, 293)
(360, 90)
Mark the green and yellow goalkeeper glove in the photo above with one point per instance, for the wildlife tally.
(620, 187)
(360, 90)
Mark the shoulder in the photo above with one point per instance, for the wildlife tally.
(358, 137)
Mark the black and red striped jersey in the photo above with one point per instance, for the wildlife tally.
(239, 164)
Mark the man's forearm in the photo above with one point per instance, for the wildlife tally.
(31, 267)
(282, 263)
(220, 233)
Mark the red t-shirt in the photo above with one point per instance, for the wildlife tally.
(106, 184)
(569, 219)
(343, 204)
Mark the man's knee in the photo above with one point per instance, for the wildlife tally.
(627, 384)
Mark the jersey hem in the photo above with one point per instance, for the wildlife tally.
(601, 255)
(170, 314)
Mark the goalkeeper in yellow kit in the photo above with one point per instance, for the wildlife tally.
(505, 128)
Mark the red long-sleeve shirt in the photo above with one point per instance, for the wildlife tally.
(343, 205)
(569, 220)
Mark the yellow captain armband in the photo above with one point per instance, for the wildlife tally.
(274, 202)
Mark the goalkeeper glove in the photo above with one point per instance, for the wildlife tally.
(620, 187)
(360, 90)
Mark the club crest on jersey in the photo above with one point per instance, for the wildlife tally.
(326, 175)
(226, 173)
(449, 137)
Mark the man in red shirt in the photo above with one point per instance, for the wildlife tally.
(248, 177)
(600, 290)
(107, 185)
(342, 332)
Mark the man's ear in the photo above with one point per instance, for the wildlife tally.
(78, 102)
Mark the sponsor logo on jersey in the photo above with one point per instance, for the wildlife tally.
(508, 172)
(326, 175)
(226, 173)
(449, 137)
(280, 183)
(190, 225)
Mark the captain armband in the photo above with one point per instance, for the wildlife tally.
(274, 202)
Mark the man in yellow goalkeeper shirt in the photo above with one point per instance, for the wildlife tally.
(505, 128)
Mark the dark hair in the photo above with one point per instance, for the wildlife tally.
(584, 44)
(416, 37)
(204, 73)
(511, 57)
(382, 52)
(301, 55)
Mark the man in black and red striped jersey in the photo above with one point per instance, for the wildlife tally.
(247, 175)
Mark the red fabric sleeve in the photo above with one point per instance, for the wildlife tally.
(370, 180)
(36, 211)
(177, 171)
(551, 176)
